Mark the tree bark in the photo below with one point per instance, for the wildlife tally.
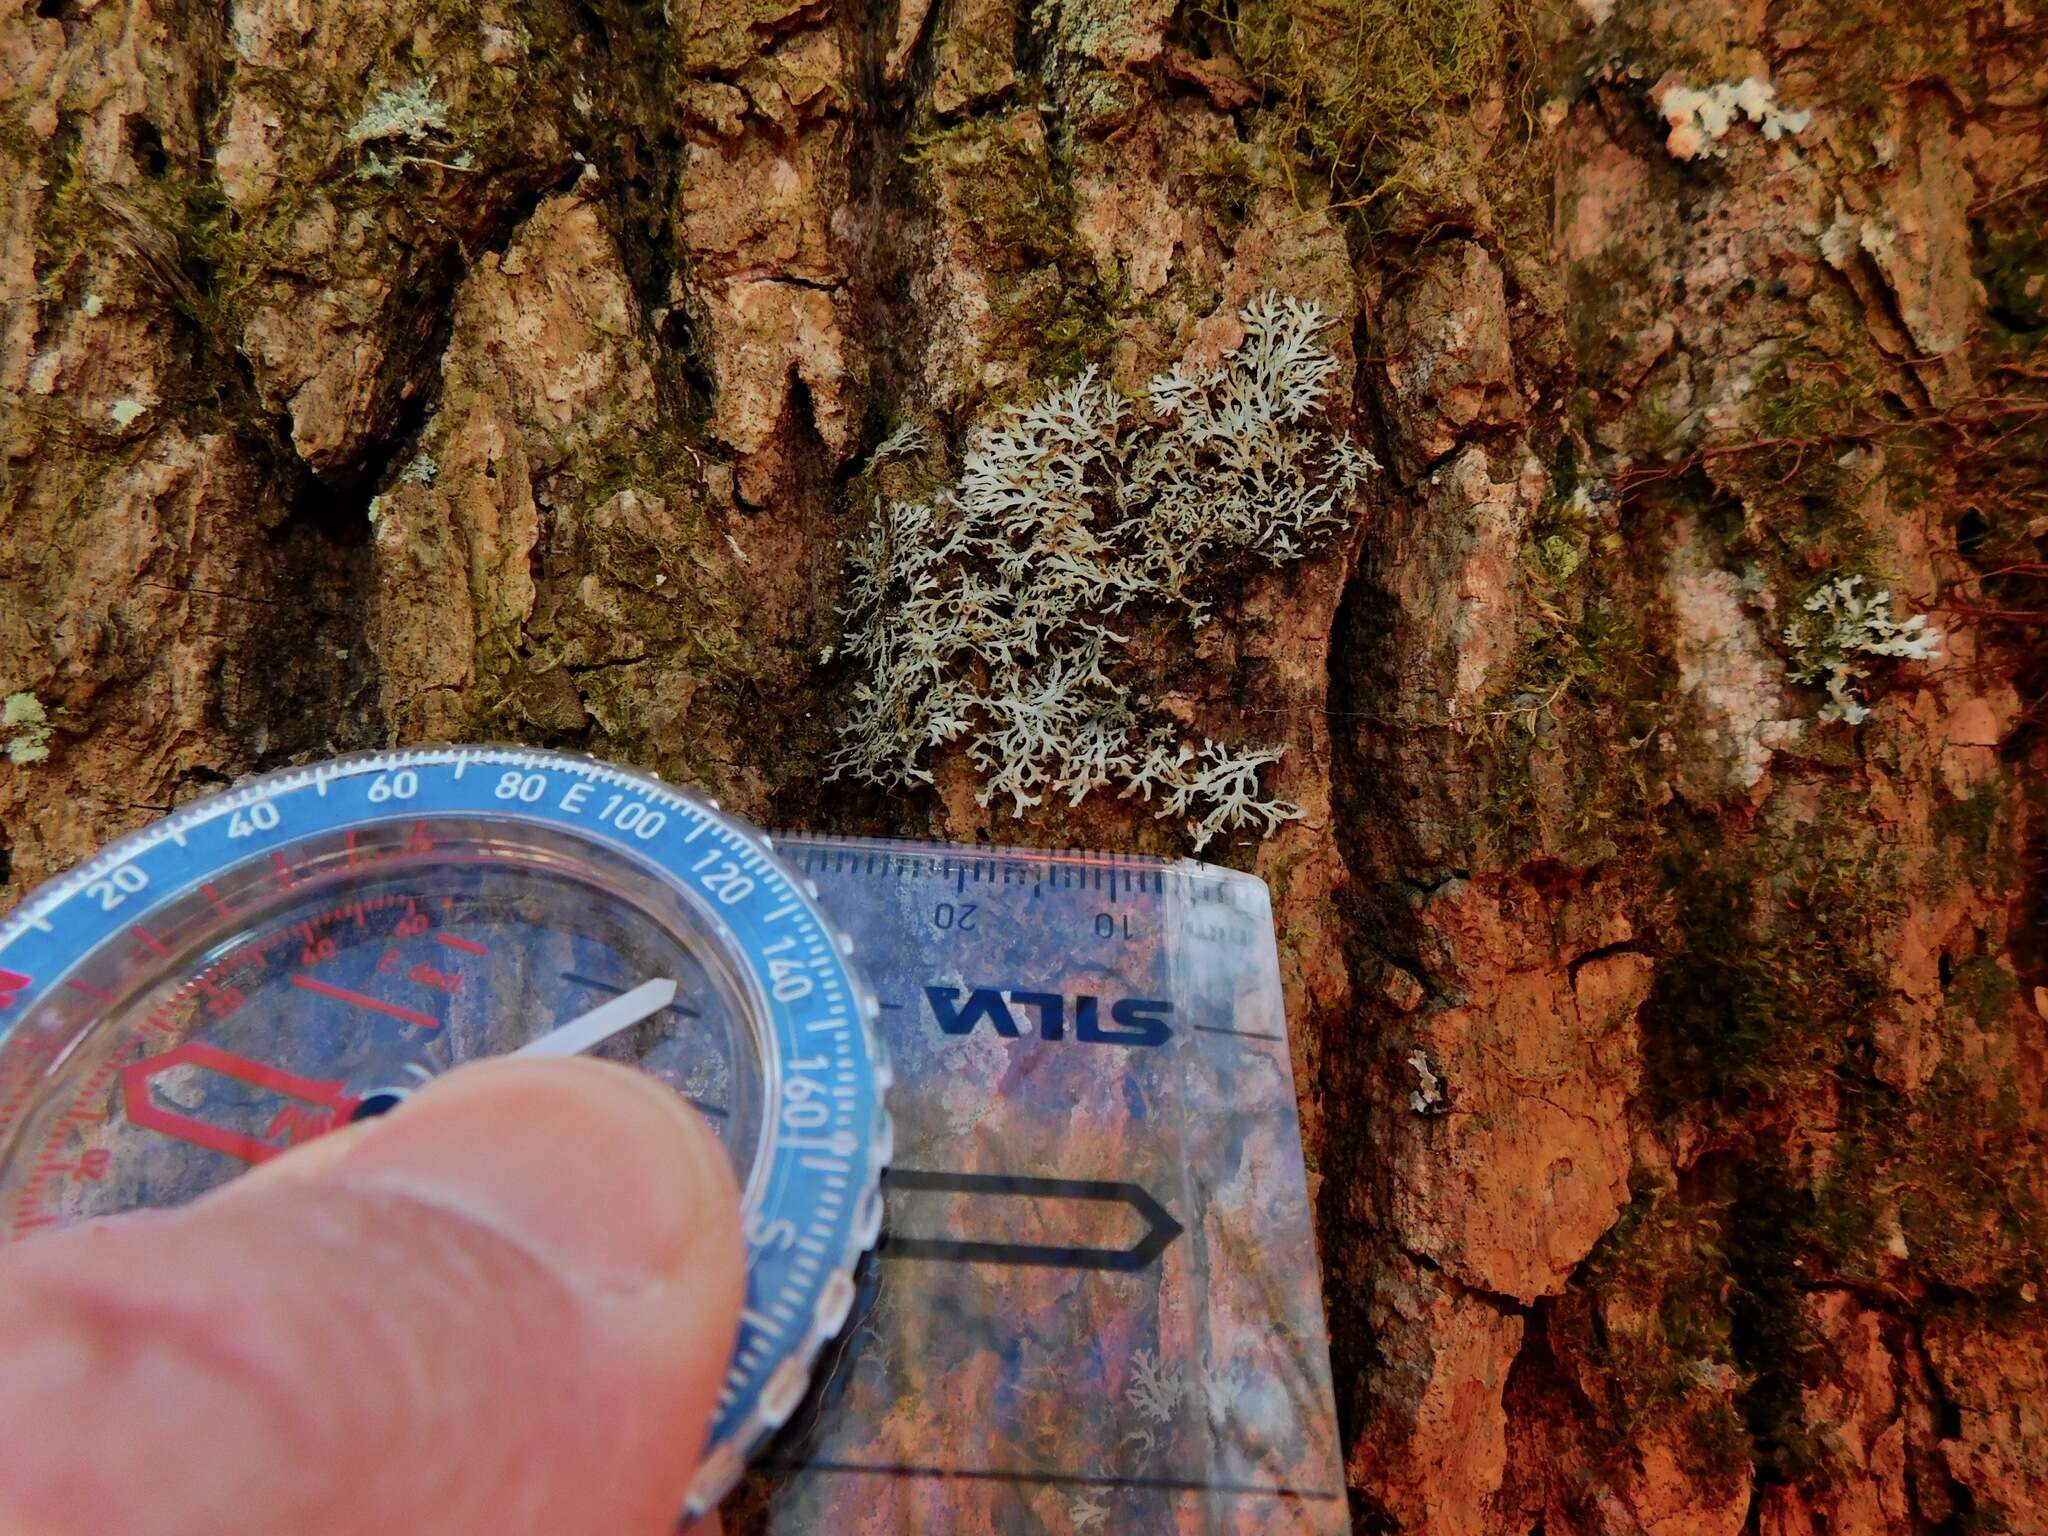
(1671, 1054)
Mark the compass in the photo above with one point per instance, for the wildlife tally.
(308, 949)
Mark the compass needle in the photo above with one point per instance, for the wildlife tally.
(603, 1021)
(308, 949)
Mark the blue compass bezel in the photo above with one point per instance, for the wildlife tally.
(814, 1206)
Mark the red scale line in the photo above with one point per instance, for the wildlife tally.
(364, 1000)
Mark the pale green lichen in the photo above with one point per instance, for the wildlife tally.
(410, 113)
(126, 412)
(1699, 119)
(1838, 635)
(983, 614)
(24, 714)
(906, 441)
(410, 116)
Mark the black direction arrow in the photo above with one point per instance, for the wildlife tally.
(1160, 1227)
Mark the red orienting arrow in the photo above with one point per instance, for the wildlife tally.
(333, 1101)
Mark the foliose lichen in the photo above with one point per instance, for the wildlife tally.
(1699, 119)
(411, 113)
(23, 715)
(1839, 633)
(984, 614)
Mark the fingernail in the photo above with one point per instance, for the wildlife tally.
(601, 1171)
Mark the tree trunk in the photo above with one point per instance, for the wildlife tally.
(1668, 1028)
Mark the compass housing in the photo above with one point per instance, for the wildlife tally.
(271, 962)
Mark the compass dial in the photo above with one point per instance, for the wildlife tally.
(307, 950)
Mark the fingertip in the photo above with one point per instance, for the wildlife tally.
(604, 1172)
(513, 1302)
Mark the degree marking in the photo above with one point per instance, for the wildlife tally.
(363, 1000)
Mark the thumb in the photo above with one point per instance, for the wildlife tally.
(506, 1308)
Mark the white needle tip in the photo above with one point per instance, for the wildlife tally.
(603, 1021)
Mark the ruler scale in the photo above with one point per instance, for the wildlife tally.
(1096, 1304)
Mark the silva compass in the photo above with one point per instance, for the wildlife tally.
(306, 950)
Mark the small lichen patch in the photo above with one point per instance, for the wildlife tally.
(1225, 782)
(1841, 631)
(983, 615)
(421, 471)
(24, 715)
(906, 441)
(410, 113)
(1428, 1097)
(410, 116)
(1699, 119)
(126, 412)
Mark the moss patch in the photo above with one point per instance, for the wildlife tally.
(1652, 1309)
(1938, 1183)
(1356, 77)
(1054, 308)
(1775, 990)
(1568, 735)
(1229, 180)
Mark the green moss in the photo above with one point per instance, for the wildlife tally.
(1653, 1309)
(2013, 267)
(1938, 1183)
(1229, 180)
(1054, 308)
(658, 460)
(1780, 977)
(1009, 189)
(167, 226)
(1807, 498)
(1074, 325)
(1707, 1283)
(1769, 999)
(1805, 406)
(1586, 689)
(1769, 1217)
(1971, 842)
(424, 149)
(1972, 823)
(1983, 989)
(1356, 77)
